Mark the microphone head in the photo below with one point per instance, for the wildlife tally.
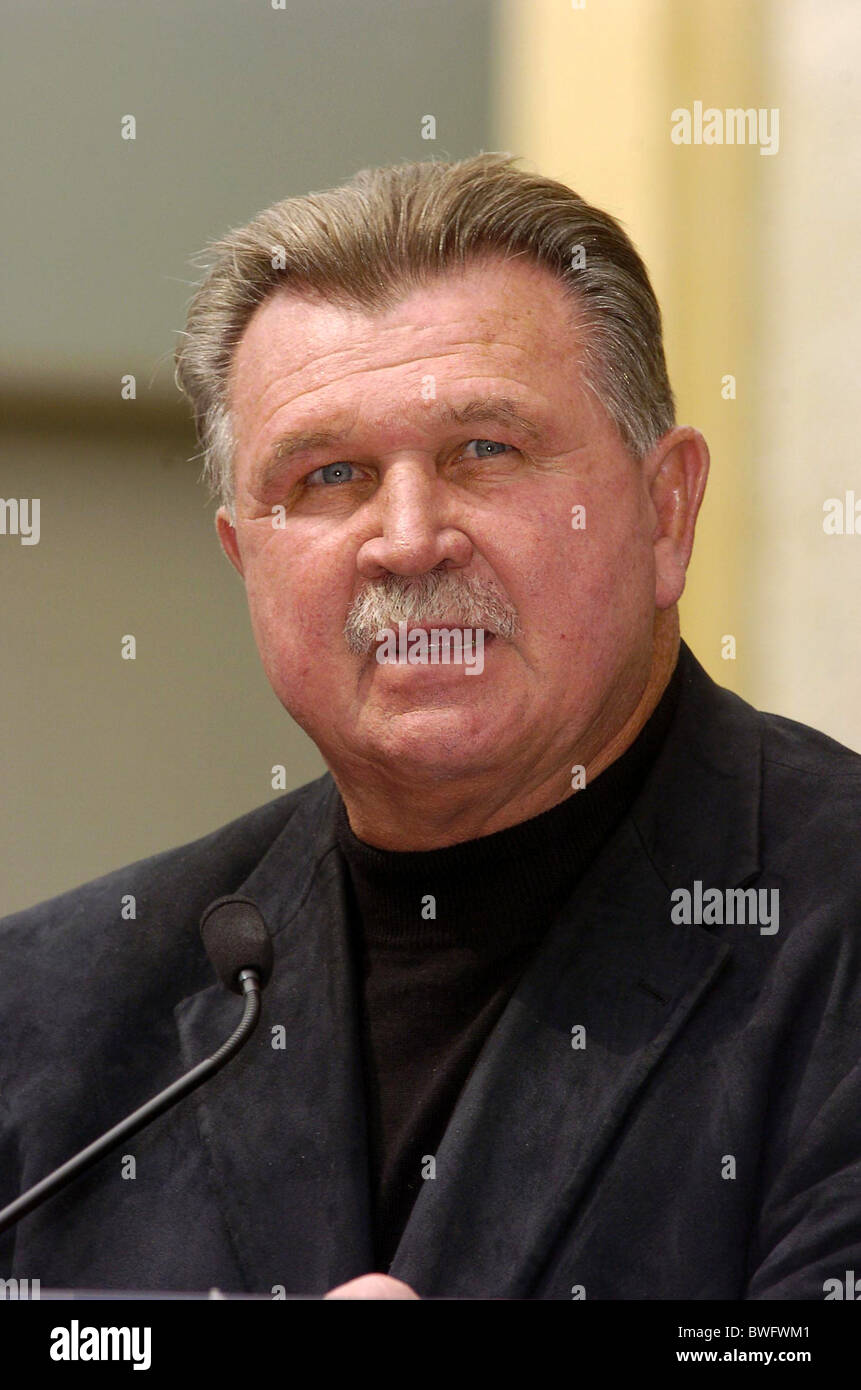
(235, 938)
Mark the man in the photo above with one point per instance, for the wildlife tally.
(566, 991)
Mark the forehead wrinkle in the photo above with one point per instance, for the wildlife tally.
(320, 368)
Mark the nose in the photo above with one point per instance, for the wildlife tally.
(414, 529)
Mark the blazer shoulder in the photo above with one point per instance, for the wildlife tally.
(807, 751)
(738, 792)
(811, 791)
(810, 827)
(198, 871)
(801, 768)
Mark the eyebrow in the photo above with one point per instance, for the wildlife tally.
(500, 409)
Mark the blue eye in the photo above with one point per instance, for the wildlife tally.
(487, 448)
(330, 473)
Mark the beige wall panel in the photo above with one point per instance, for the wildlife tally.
(587, 96)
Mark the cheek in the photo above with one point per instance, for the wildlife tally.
(592, 570)
(290, 600)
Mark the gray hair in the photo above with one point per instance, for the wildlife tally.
(371, 240)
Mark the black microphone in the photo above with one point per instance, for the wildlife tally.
(235, 939)
(240, 950)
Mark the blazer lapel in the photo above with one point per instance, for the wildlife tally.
(610, 988)
(284, 1122)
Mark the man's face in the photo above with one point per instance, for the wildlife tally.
(403, 488)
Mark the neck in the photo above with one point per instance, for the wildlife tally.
(395, 818)
(665, 652)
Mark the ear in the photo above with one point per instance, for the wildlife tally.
(675, 473)
(227, 535)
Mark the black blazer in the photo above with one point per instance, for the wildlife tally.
(705, 1143)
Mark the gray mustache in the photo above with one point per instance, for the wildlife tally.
(426, 598)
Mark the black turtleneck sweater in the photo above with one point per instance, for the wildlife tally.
(435, 986)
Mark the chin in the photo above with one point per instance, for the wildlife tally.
(445, 740)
